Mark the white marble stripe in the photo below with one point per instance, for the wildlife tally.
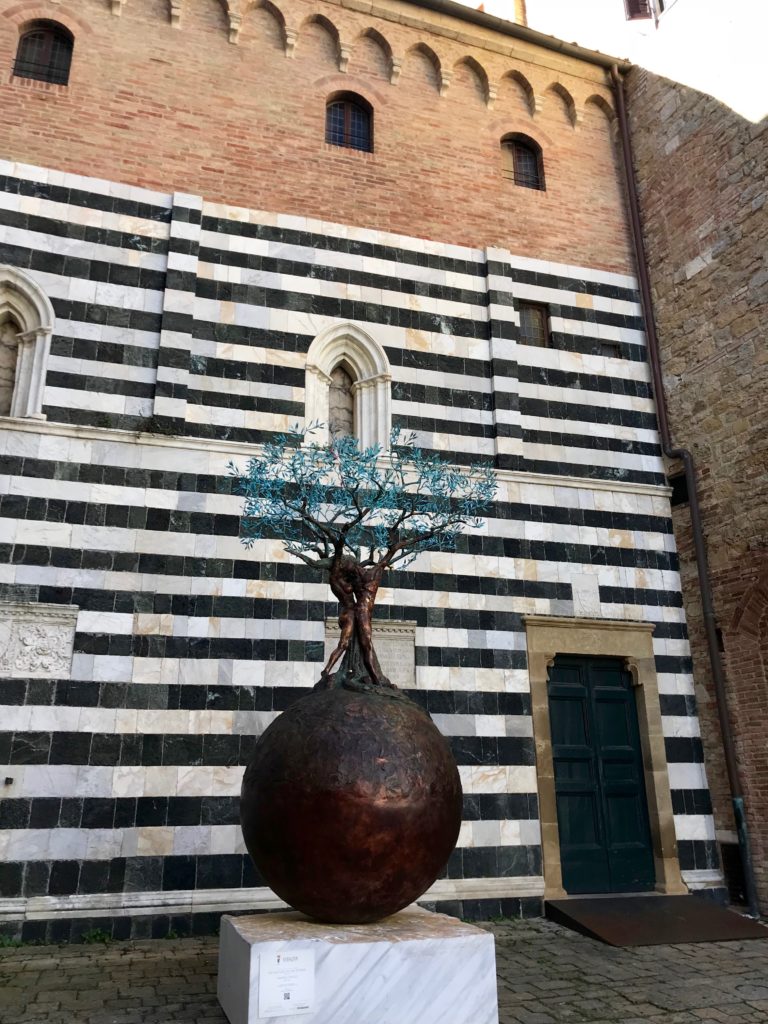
(694, 826)
(332, 229)
(95, 368)
(683, 775)
(230, 900)
(67, 246)
(101, 186)
(84, 215)
(390, 298)
(199, 840)
(55, 718)
(680, 725)
(342, 260)
(200, 780)
(581, 396)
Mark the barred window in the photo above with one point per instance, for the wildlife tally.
(349, 122)
(44, 53)
(521, 161)
(534, 324)
(637, 9)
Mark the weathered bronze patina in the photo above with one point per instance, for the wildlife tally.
(351, 804)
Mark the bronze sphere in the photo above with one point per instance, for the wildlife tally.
(351, 804)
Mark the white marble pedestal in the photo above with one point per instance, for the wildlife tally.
(415, 967)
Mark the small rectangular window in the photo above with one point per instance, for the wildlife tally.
(679, 485)
(534, 324)
(637, 9)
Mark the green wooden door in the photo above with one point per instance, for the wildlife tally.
(602, 813)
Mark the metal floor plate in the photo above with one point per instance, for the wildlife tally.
(653, 920)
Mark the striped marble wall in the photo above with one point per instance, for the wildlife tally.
(180, 343)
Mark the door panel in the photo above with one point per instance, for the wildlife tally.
(605, 843)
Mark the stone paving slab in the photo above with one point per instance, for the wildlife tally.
(547, 975)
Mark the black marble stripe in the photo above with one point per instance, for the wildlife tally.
(211, 749)
(601, 383)
(200, 483)
(332, 243)
(177, 811)
(578, 469)
(562, 283)
(161, 520)
(679, 705)
(80, 197)
(217, 871)
(56, 227)
(325, 272)
(603, 413)
(82, 268)
(698, 854)
(641, 595)
(691, 801)
(594, 346)
(101, 384)
(594, 442)
(227, 697)
(344, 309)
(111, 316)
(89, 349)
(684, 749)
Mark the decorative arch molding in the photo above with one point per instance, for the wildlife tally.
(602, 104)
(343, 52)
(350, 345)
(559, 90)
(747, 617)
(479, 72)
(434, 60)
(394, 64)
(32, 10)
(23, 300)
(525, 86)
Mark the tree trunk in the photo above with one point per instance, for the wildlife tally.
(359, 668)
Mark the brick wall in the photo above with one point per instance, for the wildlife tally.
(702, 177)
(185, 108)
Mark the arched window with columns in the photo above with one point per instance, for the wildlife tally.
(348, 385)
(26, 326)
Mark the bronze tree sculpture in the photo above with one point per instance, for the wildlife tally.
(351, 803)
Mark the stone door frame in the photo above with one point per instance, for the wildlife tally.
(547, 637)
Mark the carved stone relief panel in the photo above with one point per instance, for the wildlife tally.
(395, 644)
(36, 640)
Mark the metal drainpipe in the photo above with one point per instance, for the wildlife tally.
(685, 456)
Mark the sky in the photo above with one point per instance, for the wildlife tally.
(715, 46)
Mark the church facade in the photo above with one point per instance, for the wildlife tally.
(216, 222)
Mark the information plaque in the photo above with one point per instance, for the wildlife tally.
(286, 983)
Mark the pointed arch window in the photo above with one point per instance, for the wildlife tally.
(26, 326)
(45, 53)
(348, 386)
(349, 122)
(522, 162)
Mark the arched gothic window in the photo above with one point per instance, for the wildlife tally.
(341, 404)
(348, 386)
(522, 162)
(349, 122)
(26, 325)
(44, 53)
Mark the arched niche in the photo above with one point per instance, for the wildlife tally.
(26, 307)
(350, 347)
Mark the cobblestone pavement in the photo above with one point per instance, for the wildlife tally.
(547, 975)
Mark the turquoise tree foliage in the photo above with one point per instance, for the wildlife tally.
(337, 501)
